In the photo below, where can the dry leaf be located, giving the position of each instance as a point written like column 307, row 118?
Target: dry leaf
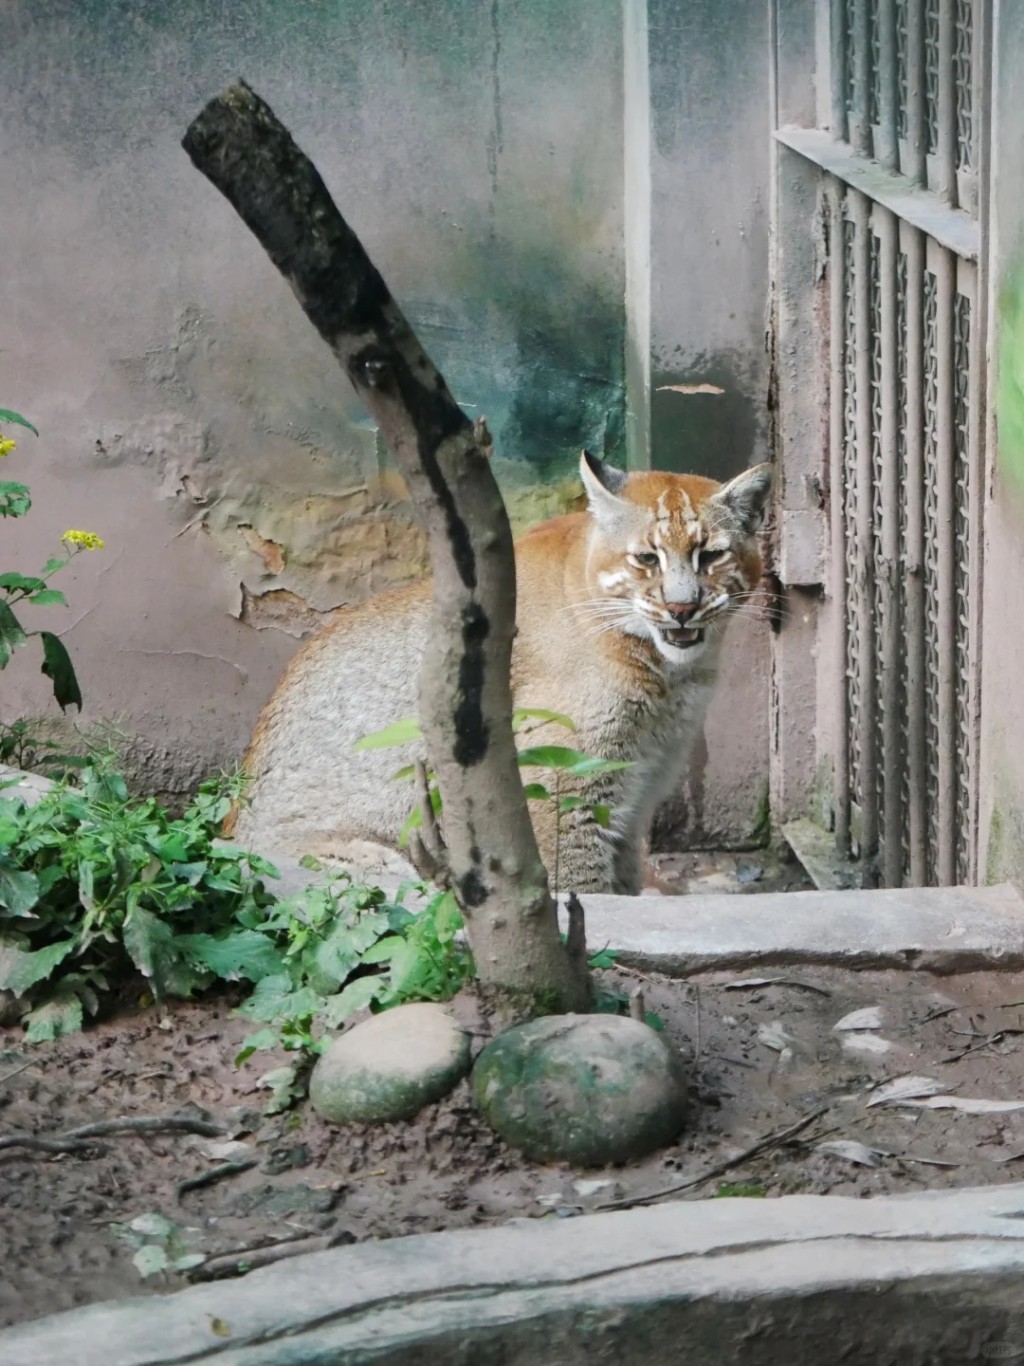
column 752, row 983
column 870, row 1017
column 852, row 1151
column 689, row 389
column 903, row 1088
column 968, row 1105
column 774, row 1036
column 858, row 1042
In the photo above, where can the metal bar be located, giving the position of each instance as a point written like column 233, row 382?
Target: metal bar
column 864, row 569
column 917, row 141
column 887, row 570
column 837, row 46
column 945, row 531
column 859, row 120
column 945, row 151
column 837, row 532
column 887, row 147
column 914, row 608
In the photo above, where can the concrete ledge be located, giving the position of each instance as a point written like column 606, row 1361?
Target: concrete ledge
column 947, row 929
column 804, row 1279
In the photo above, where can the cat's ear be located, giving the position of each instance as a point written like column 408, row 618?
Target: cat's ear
column 746, row 497
column 603, row 484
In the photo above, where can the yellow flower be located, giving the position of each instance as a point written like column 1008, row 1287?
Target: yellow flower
column 6, row 445
column 88, row 540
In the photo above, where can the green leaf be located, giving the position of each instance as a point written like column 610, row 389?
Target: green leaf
column 572, row 803
column 237, row 954
column 356, row 996
column 11, row 634
column 187, row 1260
column 15, row 499
column 150, row 1260
column 311, row 862
column 536, row 792
column 21, row 583
column 400, row 733
column 61, row 1014
column 19, row 890
column 276, row 999
column 383, row 951
column 523, row 714
column 21, row 968
column 603, row 958
column 48, row 597
column 602, row 814
column 7, row 415
column 569, row 760
column 654, row 1021
column 151, row 946
column 284, row 1087
column 447, row 916
column 254, row 1043
column 58, row 668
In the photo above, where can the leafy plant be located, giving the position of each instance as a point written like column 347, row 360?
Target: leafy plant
column 16, row 501
column 96, row 886
column 347, row 936
column 94, row 883
column 563, row 761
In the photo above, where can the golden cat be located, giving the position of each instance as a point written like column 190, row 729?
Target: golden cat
column 621, row 612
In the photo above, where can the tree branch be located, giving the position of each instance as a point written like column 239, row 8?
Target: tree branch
column 465, row 698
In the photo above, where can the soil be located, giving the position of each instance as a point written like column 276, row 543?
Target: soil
column 763, row 1055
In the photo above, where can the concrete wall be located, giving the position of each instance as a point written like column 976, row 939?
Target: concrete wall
column 191, row 416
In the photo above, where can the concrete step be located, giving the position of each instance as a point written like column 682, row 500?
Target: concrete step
column 940, row 929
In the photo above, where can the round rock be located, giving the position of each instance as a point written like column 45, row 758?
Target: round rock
column 388, row 1067
column 586, row 1089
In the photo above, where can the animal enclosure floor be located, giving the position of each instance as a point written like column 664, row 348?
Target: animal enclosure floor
column 763, row 1057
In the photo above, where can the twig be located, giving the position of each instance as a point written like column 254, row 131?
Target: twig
column 17, row 1071
column 74, row 1140
column 763, row 1145
column 217, row 1173
column 238, row 1264
column 427, row 848
column 637, row 1005
column 997, row 1037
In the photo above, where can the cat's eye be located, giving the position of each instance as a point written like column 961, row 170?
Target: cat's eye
column 707, row 558
column 648, row 559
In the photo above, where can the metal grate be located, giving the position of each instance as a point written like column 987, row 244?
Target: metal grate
column 904, row 74
column 962, row 542
column 852, row 547
column 963, row 82
column 933, row 737
column 906, row 464
column 902, row 68
column 931, row 75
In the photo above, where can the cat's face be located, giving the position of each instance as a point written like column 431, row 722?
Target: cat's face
column 671, row 554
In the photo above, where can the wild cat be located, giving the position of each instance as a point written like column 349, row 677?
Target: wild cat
column 621, row 614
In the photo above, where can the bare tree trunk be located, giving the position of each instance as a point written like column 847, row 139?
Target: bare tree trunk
column 465, row 698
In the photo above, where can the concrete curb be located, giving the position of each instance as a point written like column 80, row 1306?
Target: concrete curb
column 939, row 929
column 920, row 1278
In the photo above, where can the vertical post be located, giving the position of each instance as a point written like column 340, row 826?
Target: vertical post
column 838, row 68
column 945, row 152
column 637, row 231
column 864, row 569
column 945, row 530
column 917, row 758
column 837, row 533
column 887, row 148
column 917, row 137
column 888, row 570
column 860, row 130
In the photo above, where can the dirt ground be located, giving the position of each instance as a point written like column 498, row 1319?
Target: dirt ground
column 763, row 1058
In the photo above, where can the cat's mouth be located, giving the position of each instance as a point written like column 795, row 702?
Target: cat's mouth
column 682, row 637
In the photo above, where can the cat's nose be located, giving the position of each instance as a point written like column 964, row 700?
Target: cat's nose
column 681, row 610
